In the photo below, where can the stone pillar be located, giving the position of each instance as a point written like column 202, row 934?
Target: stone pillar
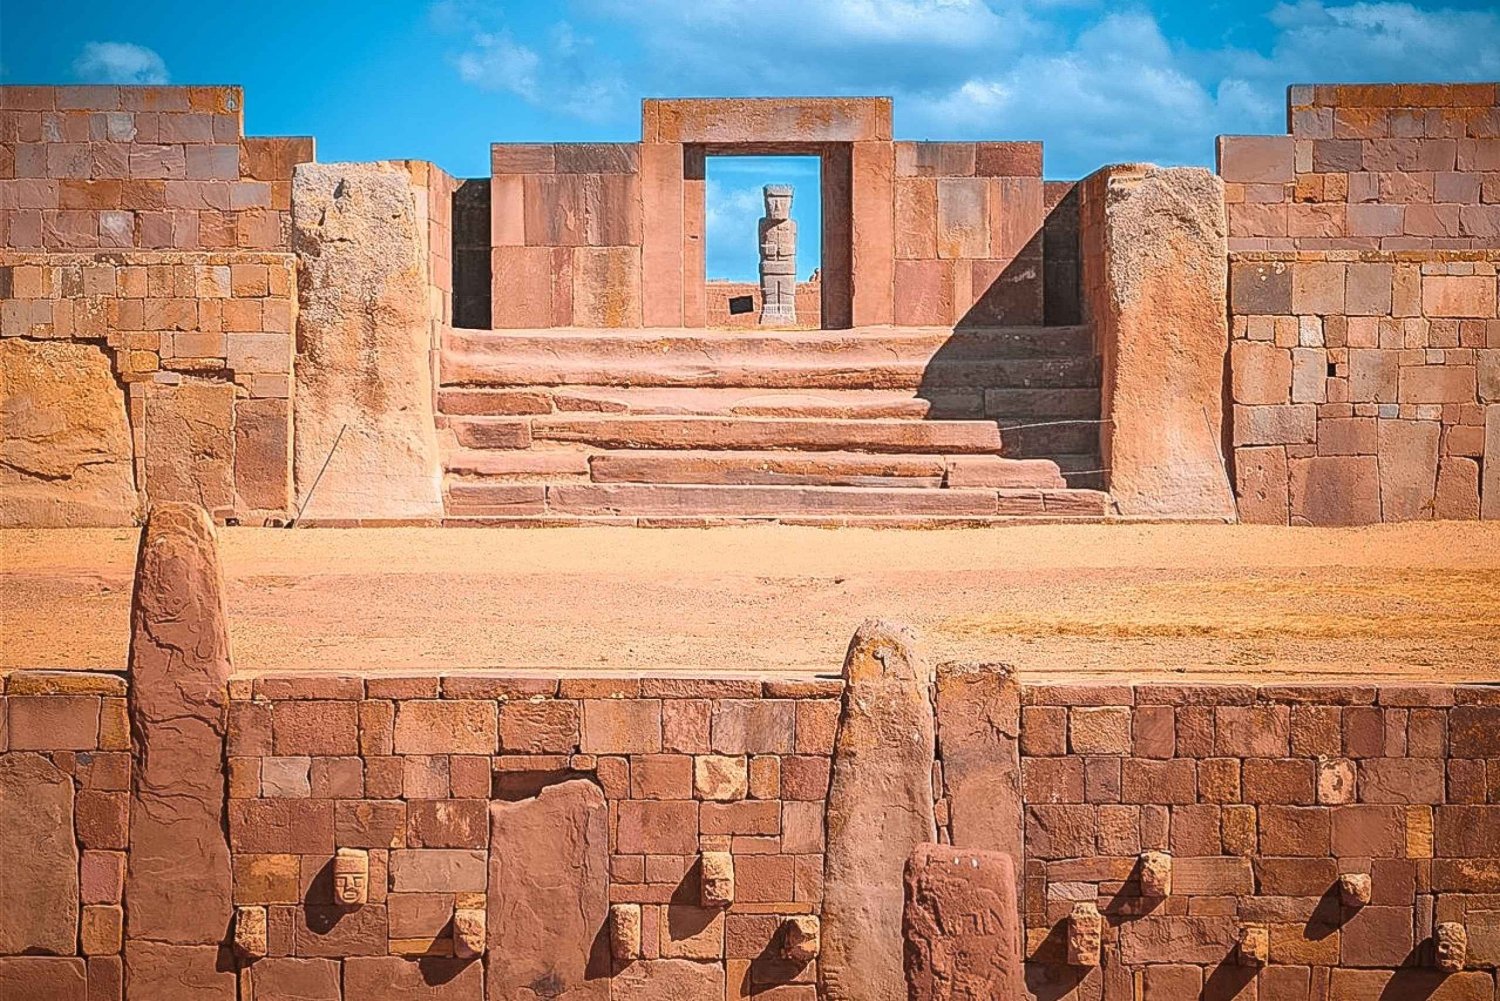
column 962, row 925
column 778, row 258
column 1156, row 262
column 978, row 735
column 880, row 807
column 177, row 880
column 364, row 345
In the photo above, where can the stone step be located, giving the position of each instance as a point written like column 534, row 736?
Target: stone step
column 836, row 403
column 823, row 469
column 1016, row 406
column 736, row 433
column 769, row 502
column 1050, row 436
column 1081, row 470
column 821, row 360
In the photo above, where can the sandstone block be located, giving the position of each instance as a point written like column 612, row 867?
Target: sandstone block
column 250, row 932
column 178, row 972
column 978, row 731
column 1354, row 889
column 668, row 980
column 1408, row 454
column 364, row 339
column 1335, row 490
column 302, row 979
column 190, row 458
column 961, row 925
column 716, row 879
column 1085, row 934
column 548, row 894
column 39, row 891
column 1254, row 945
column 801, row 938
column 625, row 932
column 1489, row 490
column 879, row 809
column 1256, row 159
column 428, row 979
column 1450, row 946
column 719, row 777
column 65, row 446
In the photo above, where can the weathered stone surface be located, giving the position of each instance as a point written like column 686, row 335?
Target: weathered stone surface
column 1085, row 934
column 250, row 932
column 1255, row 945
column 39, row 881
column 428, row 979
column 468, row 932
column 363, row 340
column 548, row 895
column 801, row 938
column 178, row 878
column 978, row 730
column 43, row 978
column 625, row 931
column 668, row 980
column 65, row 451
column 1354, row 889
column 716, row 879
column 961, row 924
column 292, row 980
column 1408, row 454
column 1450, row 943
column 190, row 444
column 1489, row 489
column 1156, row 874
column 1164, row 334
column 880, row 807
column 165, row 972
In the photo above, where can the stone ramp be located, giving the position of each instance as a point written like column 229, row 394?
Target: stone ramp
column 908, row 426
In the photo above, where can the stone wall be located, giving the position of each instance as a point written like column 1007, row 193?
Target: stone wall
column 1363, row 304
column 665, row 835
column 1366, row 386
column 1264, row 796
column 566, row 227
column 65, row 769
column 718, row 296
column 1370, row 167
column 968, row 233
column 86, row 168
column 194, row 349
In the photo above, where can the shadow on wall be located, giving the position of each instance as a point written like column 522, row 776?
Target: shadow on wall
column 1021, row 356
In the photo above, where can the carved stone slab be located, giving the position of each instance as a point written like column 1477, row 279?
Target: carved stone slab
column 39, row 877
column 880, row 807
column 961, row 925
column 549, row 896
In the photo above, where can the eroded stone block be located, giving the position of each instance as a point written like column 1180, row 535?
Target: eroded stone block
column 250, row 932
column 1156, row 874
column 1354, row 889
column 1450, row 946
column 39, row 873
column 1085, row 934
column 961, row 925
column 717, row 879
column 625, row 932
column 1254, row 946
column 801, row 938
column 468, row 932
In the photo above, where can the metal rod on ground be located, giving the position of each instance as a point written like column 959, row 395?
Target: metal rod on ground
column 317, row 479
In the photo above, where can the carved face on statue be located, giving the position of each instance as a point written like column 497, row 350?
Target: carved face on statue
column 778, row 201
column 1452, row 942
column 351, row 877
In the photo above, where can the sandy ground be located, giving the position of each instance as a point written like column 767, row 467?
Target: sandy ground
column 1419, row 601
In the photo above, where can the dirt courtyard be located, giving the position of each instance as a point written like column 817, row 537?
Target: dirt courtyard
column 1418, row 601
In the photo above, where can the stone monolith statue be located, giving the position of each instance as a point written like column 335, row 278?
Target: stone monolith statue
column 778, row 257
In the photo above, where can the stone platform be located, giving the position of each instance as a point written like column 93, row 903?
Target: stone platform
column 907, row 425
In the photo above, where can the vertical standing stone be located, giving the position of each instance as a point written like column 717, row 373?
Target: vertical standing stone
column 38, row 857
column 978, row 735
column 778, row 258
column 1158, row 263
column 549, row 895
column 962, row 925
column 880, row 807
column 177, row 882
column 364, row 345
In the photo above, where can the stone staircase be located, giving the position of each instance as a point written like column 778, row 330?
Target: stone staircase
column 873, row 426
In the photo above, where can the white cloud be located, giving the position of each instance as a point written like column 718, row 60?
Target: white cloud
column 119, row 62
column 561, row 72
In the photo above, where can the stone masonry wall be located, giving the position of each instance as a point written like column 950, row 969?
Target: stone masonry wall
column 199, row 348
column 969, row 222
column 718, row 294
column 1366, row 386
column 85, row 168
column 566, row 235
column 407, row 768
column 65, row 770
column 1263, row 796
column 1370, row 167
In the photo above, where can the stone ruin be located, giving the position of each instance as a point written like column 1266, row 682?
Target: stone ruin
column 896, row 830
column 200, row 327
column 1310, row 336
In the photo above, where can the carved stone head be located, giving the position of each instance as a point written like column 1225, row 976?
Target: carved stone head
column 1451, row 946
column 717, row 873
column 1156, row 874
column 1355, row 889
column 778, row 201
column 1255, row 945
column 801, row 938
column 351, row 877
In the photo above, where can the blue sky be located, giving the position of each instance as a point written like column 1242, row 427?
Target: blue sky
column 1097, row 80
